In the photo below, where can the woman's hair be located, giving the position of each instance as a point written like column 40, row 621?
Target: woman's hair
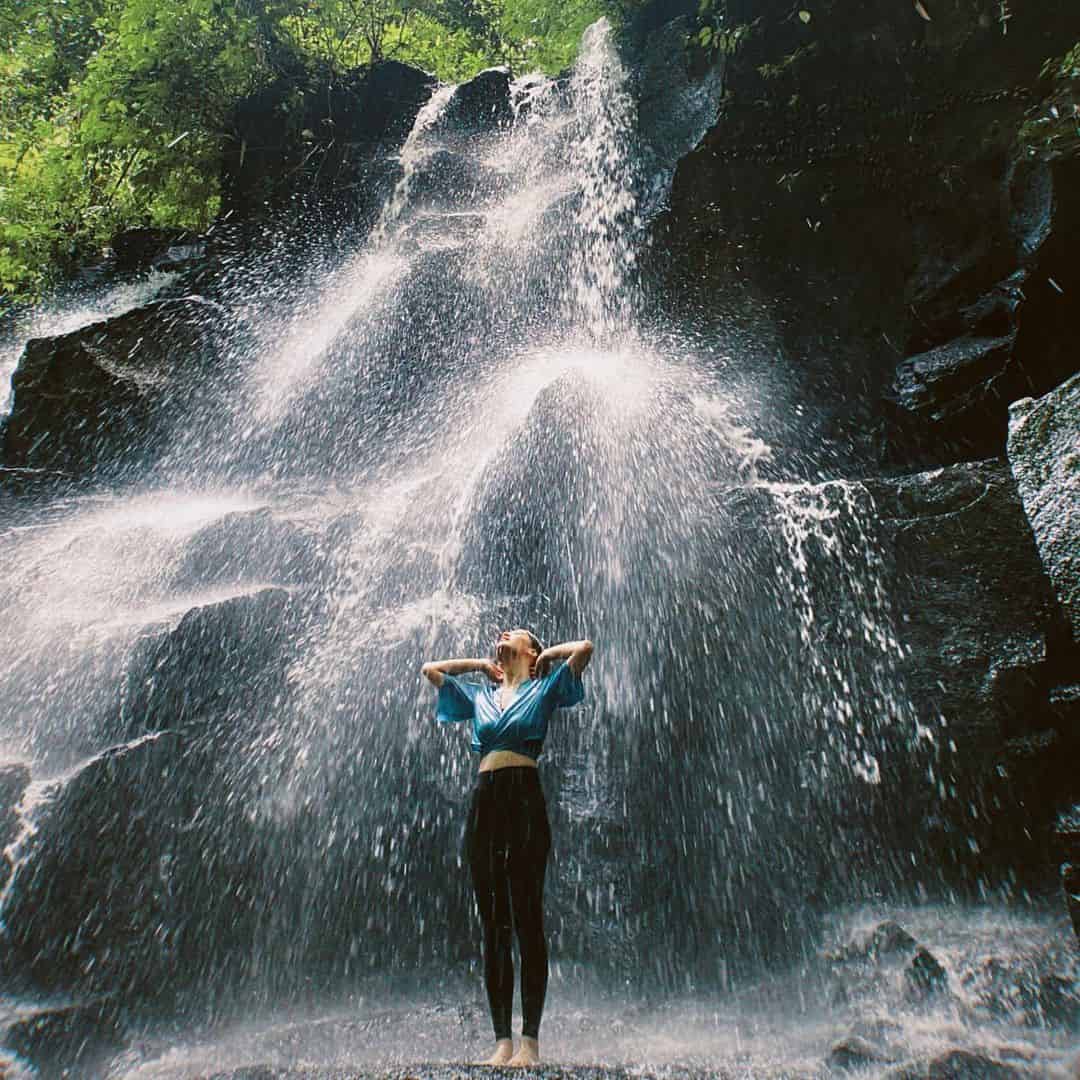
column 534, row 641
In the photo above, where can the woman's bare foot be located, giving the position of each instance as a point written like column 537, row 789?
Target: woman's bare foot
column 504, row 1052
column 528, row 1052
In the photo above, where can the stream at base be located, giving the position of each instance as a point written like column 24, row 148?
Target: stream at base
column 1002, row 1005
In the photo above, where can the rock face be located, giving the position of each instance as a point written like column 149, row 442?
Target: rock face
column 879, row 202
column 986, row 642
column 1044, row 453
column 880, row 222
column 338, row 141
column 101, row 400
column 134, row 873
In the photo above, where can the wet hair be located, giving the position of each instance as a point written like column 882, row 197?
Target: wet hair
column 534, row 641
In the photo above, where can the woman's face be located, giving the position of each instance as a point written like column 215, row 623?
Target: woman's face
column 513, row 643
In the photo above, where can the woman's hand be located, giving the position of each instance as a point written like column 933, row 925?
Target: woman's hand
column 542, row 664
column 491, row 670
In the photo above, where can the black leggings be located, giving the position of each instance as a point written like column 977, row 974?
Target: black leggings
column 507, row 840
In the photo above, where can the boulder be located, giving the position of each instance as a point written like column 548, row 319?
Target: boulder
column 99, row 401
column 88, row 897
column 982, row 631
column 480, row 106
column 447, row 178
column 74, row 1040
column 970, row 1065
column 250, row 547
column 308, row 138
column 145, row 873
column 961, row 388
column 1044, row 455
column 677, row 98
column 220, row 669
column 180, row 257
column 853, row 1053
column 887, row 939
column 136, row 249
column 924, row 977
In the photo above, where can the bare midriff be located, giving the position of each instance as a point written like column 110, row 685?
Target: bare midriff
column 500, row 759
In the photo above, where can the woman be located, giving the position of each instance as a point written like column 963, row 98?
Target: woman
column 507, row 838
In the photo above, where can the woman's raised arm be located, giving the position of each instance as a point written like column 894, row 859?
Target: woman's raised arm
column 434, row 670
column 577, row 654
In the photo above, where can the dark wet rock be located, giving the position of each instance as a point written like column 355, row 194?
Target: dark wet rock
column 131, row 887
column 982, row 630
column 250, row 546
column 135, row 249
column 960, row 1065
column 960, row 387
column 1067, row 837
column 887, row 939
column 435, row 231
column 925, row 977
column 1065, row 703
column 1067, row 834
column 180, row 257
column 99, row 400
column 90, row 892
column 854, row 1052
column 1058, row 1000
column 306, row 137
column 1070, row 884
column 847, row 219
column 14, row 780
column 1032, row 205
column 1022, row 988
column 981, row 644
column 446, row 177
column 1044, row 454
column 77, row 1040
column 677, row 98
column 479, row 106
column 219, row 668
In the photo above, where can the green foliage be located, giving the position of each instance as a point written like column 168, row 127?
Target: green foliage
column 1063, row 67
column 1052, row 131
column 115, row 113
column 715, row 34
column 786, row 65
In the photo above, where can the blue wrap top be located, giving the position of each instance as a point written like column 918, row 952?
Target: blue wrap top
column 522, row 725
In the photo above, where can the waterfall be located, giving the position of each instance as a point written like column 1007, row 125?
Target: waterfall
column 465, row 421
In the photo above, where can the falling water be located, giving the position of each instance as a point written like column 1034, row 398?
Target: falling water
column 466, row 421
